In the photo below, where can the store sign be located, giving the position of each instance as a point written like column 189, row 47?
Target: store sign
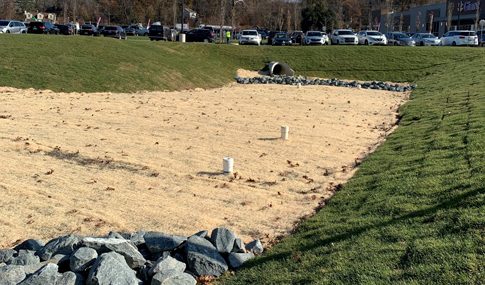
column 466, row 7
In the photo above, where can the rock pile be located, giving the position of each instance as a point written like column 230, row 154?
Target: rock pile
column 142, row 258
column 294, row 80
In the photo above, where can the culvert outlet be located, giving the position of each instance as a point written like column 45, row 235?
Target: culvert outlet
column 278, row 68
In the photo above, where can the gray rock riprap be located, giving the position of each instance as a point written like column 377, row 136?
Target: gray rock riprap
column 61, row 245
column 223, row 239
column 295, row 80
column 11, row 274
column 173, row 278
column 159, row 242
column 101, row 245
column 203, row 258
column 111, row 268
column 115, row 259
column 82, row 258
column 237, row 259
column 46, row 275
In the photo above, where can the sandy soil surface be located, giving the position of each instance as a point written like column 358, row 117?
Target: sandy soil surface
column 93, row 163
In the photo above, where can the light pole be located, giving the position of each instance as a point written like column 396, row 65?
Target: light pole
column 233, row 13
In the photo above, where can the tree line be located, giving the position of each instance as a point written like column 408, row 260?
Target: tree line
column 278, row 15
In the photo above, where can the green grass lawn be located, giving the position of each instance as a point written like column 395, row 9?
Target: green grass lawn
column 414, row 212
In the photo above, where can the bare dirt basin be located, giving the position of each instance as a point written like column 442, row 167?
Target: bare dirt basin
column 93, row 163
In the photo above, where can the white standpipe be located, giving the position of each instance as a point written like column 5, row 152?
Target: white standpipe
column 227, row 165
column 284, row 132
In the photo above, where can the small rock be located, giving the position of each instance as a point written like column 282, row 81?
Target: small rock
column 6, row 254
column 46, row 275
column 138, row 238
column 24, row 257
column 11, row 274
column 111, row 268
column 159, row 242
column 173, row 278
column 101, row 245
column 255, row 247
column 238, row 246
column 61, row 245
column 166, row 264
column 203, row 258
column 30, row 244
column 223, row 239
column 71, row 278
column 82, row 258
column 237, row 259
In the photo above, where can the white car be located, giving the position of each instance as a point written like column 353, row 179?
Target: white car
column 12, row 27
column 250, row 37
column 325, row 38
column 424, row 39
column 460, row 38
column 344, row 37
column 314, row 38
column 371, row 38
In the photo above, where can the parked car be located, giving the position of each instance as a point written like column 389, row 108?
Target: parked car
column 130, row 31
column 12, row 27
column 399, row 39
column 344, row 37
column 281, row 39
column 425, row 39
column 200, row 35
column 42, row 28
column 264, row 35
column 371, row 38
column 325, row 38
column 139, row 30
column 100, row 28
column 159, row 32
column 250, row 37
column 63, row 29
column 460, row 38
column 313, row 38
column 271, row 35
column 114, row 32
column 88, row 30
column 296, row 37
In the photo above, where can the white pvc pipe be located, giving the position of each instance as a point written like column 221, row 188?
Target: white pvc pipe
column 227, row 165
column 284, row 132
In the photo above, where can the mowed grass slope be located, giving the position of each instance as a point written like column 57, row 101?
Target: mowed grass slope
column 92, row 64
column 414, row 213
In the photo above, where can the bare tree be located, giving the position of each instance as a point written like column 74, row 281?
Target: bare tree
column 401, row 18
column 418, row 22
column 431, row 18
column 288, row 21
column 477, row 15
column 223, row 14
column 450, row 12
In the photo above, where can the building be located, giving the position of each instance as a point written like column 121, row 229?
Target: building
column 432, row 18
column 39, row 16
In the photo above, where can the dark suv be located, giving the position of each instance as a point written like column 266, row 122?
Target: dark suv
column 42, row 28
column 200, row 35
column 88, row 30
column 159, row 32
column 114, row 32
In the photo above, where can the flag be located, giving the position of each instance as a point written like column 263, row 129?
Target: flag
column 148, row 25
column 99, row 20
